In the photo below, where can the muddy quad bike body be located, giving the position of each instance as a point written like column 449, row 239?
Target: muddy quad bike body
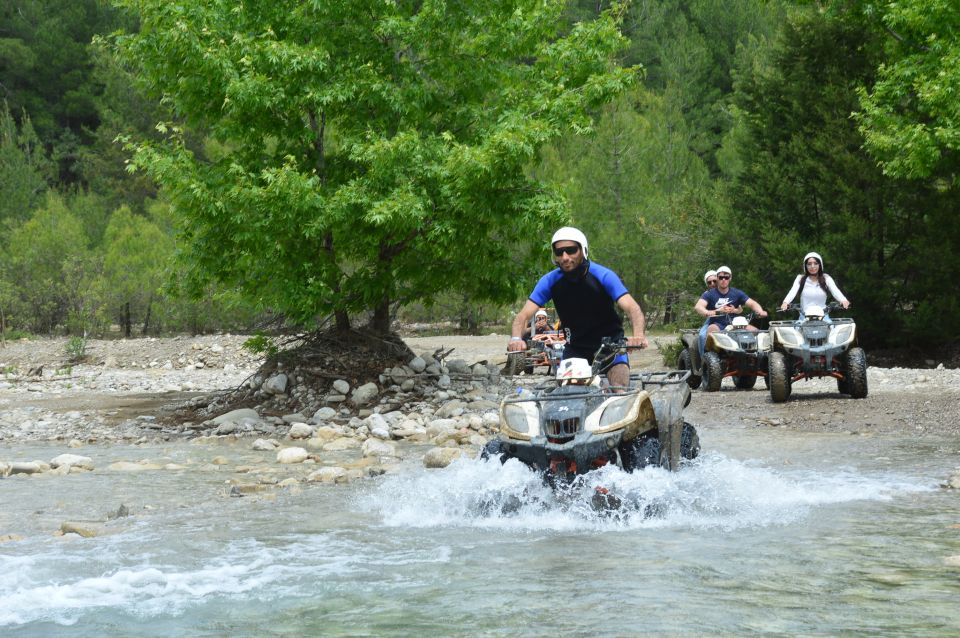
column 568, row 430
column 812, row 348
column 736, row 352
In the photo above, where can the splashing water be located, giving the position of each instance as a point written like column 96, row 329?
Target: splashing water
column 712, row 491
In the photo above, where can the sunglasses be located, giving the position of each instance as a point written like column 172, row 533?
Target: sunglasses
column 712, row 282
column 723, row 276
column 570, row 250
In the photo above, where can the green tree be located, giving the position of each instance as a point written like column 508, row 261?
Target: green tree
column 639, row 192
column 48, row 264
column 136, row 260
column 910, row 114
column 372, row 152
column 807, row 183
column 24, row 169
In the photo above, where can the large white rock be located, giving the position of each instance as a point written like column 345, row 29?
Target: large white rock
column 72, row 460
column 365, row 394
column 277, row 384
column 265, row 445
column 332, row 474
column 376, row 447
column 417, row 364
column 236, row 416
column 290, row 455
column 341, row 386
column 300, row 431
column 441, row 456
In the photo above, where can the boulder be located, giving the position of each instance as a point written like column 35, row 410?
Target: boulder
column 377, row 447
column 237, row 416
column 365, row 394
column 291, row 455
column 441, row 457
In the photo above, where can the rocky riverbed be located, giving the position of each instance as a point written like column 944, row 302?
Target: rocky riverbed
column 307, row 428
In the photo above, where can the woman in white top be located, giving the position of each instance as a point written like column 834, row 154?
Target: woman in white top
column 813, row 285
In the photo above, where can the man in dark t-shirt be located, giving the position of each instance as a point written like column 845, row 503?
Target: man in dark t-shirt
column 720, row 304
column 584, row 294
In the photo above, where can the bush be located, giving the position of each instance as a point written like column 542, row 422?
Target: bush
column 670, row 348
column 76, row 348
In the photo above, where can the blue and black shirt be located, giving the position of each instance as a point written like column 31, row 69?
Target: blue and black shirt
column 585, row 303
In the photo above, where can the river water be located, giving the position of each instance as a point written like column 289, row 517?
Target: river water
column 769, row 533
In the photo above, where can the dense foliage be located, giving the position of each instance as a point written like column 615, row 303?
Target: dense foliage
column 373, row 160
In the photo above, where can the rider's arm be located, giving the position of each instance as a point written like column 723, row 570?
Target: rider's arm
column 756, row 307
column 632, row 309
column 521, row 321
column 835, row 291
column 701, row 309
column 792, row 294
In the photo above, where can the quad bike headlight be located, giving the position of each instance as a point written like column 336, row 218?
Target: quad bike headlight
column 790, row 337
column 763, row 341
column 841, row 335
column 613, row 412
column 521, row 419
column 724, row 341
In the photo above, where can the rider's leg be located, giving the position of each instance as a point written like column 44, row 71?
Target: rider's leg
column 619, row 374
column 702, row 338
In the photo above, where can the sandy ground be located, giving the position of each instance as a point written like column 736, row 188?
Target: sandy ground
column 125, row 378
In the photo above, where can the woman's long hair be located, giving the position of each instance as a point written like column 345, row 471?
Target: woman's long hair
column 821, row 278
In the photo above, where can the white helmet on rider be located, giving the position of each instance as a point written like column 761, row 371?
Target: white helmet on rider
column 569, row 233
column 577, row 371
column 815, row 256
column 541, row 313
column 707, row 275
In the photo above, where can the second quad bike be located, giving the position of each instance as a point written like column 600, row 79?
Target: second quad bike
column 812, row 347
column 736, row 352
column 580, row 423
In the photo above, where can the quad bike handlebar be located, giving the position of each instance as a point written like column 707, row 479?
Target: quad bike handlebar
column 830, row 307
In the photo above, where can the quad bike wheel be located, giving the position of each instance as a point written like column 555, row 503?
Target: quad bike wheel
column 745, row 382
column 684, row 363
column 514, row 363
column 645, row 449
column 712, row 371
column 779, row 375
column 856, row 372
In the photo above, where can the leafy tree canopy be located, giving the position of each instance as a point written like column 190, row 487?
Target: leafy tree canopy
column 368, row 152
column 911, row 115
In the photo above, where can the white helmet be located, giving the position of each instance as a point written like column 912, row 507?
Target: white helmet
column 569, row 233
column 540, row 313
column 815, row 256
column 708, row 275
column 574, row 371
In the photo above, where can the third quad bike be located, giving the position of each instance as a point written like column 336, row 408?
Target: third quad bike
column 580, row 423
column 544, row 350
column 734, row 352
column 813, row 347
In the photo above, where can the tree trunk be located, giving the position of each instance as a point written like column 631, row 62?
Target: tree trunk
column 126, row 320
column 380, row 321
column 146, row 319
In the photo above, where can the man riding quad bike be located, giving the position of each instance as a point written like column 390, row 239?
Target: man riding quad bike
column 816, row 346
column 544, row 348
column 581, row 423
column 736, row 351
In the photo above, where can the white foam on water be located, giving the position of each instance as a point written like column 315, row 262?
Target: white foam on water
column 712, row 491
column 62, row 584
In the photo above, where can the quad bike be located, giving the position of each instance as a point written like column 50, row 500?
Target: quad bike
column 579, row 423
column 734, row 352
column 544, row 350
column 806, row 349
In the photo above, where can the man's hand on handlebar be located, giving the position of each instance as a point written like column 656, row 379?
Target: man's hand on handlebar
column 516, row 345
column 637, row 342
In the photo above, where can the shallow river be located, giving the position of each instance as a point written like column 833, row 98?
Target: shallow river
column 768, row 533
